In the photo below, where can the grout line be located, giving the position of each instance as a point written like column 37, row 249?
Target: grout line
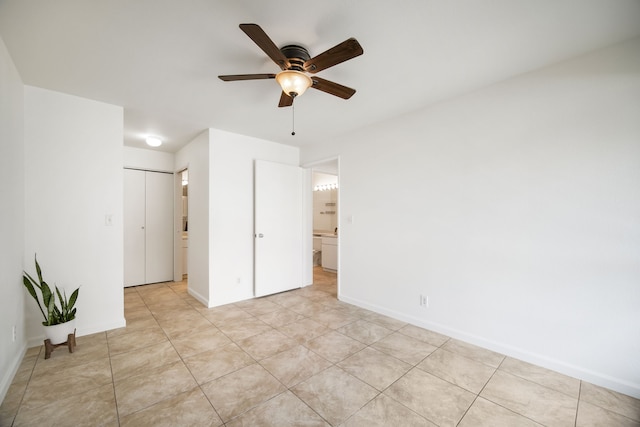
column 578, row 405
column 113, row 380
column 480, row 392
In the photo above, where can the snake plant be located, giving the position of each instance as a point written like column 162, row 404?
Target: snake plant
column 53, row 315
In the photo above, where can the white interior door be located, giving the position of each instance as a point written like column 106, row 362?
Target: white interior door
column 278, row 227
column 133, row 224
column 159, row 227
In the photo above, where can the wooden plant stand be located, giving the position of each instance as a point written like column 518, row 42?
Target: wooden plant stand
column 70, row 343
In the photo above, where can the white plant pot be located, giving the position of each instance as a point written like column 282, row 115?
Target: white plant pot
column 58, row 334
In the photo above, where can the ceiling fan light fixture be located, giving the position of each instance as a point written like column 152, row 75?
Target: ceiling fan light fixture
column 293, row 82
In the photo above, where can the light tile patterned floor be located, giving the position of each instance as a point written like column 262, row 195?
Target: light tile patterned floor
column 300, row 358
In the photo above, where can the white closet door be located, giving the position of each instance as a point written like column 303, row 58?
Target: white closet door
column 134, row 224
column 278, row 228
column 159, row 227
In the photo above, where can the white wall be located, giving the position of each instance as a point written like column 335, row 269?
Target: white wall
column 515, row 209
column 11, row 219
column 325, row 211
column 148, row 159
column 232, row 164
column 195, row 157
column 74, row 178
column 220, row 252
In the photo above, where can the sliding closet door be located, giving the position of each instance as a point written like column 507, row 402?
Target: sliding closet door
column 159, row 227
column 134, row 223
column 148, row 227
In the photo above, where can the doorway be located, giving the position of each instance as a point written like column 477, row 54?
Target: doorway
column 325, row 223
column 181, row 225
column 184, row 226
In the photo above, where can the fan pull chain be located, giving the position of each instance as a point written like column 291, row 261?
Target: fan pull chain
column 293, row 119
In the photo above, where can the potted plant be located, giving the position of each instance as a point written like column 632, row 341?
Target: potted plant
column 59, row 321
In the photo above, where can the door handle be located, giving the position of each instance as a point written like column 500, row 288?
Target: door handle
column 260, row 236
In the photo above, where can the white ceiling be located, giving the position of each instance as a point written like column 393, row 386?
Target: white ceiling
column 160, row 59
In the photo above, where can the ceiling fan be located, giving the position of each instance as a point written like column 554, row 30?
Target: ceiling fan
column 295, row 62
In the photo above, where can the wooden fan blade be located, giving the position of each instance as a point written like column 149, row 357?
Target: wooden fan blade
column 234, row 77
column 344, row 51
column 263, row 41
column 285, row 100
column 332, row 88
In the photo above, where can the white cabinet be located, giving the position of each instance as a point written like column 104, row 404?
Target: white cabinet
column 148, row 227
column 185, row 252
column 330, row 253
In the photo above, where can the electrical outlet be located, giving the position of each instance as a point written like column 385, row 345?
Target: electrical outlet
column 13, row 333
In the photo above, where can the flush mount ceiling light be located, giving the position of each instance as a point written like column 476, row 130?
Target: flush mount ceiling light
column 293, row 82
column 154, row 141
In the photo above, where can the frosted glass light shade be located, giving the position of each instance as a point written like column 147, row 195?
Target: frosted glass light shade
column 154, row 141
column 293, row 82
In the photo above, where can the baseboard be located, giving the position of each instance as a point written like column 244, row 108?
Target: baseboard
column 94, row 329
column 233, row 299
column 82, row 331
column 581, row 373
column 7, row 377
column 199, row 297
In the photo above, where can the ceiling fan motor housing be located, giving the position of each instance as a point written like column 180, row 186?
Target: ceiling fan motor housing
column 297, row 56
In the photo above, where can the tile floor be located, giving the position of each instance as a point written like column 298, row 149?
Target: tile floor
column 300, row 358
